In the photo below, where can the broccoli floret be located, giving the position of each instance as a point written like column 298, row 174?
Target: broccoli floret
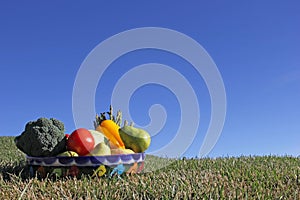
column 43, row 137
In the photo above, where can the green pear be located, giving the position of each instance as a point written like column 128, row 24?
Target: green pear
column 100, row 149
column 135, row 138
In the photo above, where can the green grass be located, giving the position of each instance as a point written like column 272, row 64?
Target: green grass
column 267, row 177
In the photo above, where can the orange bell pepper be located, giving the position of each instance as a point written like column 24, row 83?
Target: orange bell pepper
column 111, row 131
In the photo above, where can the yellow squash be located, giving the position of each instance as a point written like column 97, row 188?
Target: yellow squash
column 111, row 131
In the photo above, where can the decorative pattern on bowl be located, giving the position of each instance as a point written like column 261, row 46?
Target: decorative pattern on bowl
column 61, row 166
column 86, row 161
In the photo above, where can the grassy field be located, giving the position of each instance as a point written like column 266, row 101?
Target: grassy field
column 267, row 177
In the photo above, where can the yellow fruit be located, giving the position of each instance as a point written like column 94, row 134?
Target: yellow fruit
column 68, row 154
column 100, row 149
column 121, row 151
column 135, row 138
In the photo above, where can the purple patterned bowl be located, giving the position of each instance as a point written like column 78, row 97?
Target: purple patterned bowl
column 74, row 166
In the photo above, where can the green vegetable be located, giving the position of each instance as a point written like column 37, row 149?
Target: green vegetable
column 135, row 138
column 44, row 137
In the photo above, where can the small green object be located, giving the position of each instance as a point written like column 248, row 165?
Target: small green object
column 57, row 172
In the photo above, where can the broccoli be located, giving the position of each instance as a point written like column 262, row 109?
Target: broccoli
column 44, row 137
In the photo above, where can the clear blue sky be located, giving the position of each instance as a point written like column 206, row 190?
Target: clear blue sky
column 256, row 46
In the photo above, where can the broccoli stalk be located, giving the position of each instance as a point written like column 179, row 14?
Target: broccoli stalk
column 44, row 137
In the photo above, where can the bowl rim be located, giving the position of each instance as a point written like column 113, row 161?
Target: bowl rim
column 86, row 161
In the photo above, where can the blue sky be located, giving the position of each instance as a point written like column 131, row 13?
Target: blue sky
column 254, row 45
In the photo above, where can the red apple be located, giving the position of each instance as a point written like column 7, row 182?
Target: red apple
column 81, row 141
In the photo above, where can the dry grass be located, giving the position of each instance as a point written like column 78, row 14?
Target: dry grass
column 267, row 177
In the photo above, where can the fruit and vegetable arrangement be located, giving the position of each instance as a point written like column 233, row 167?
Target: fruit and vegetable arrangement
column 109, row 149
